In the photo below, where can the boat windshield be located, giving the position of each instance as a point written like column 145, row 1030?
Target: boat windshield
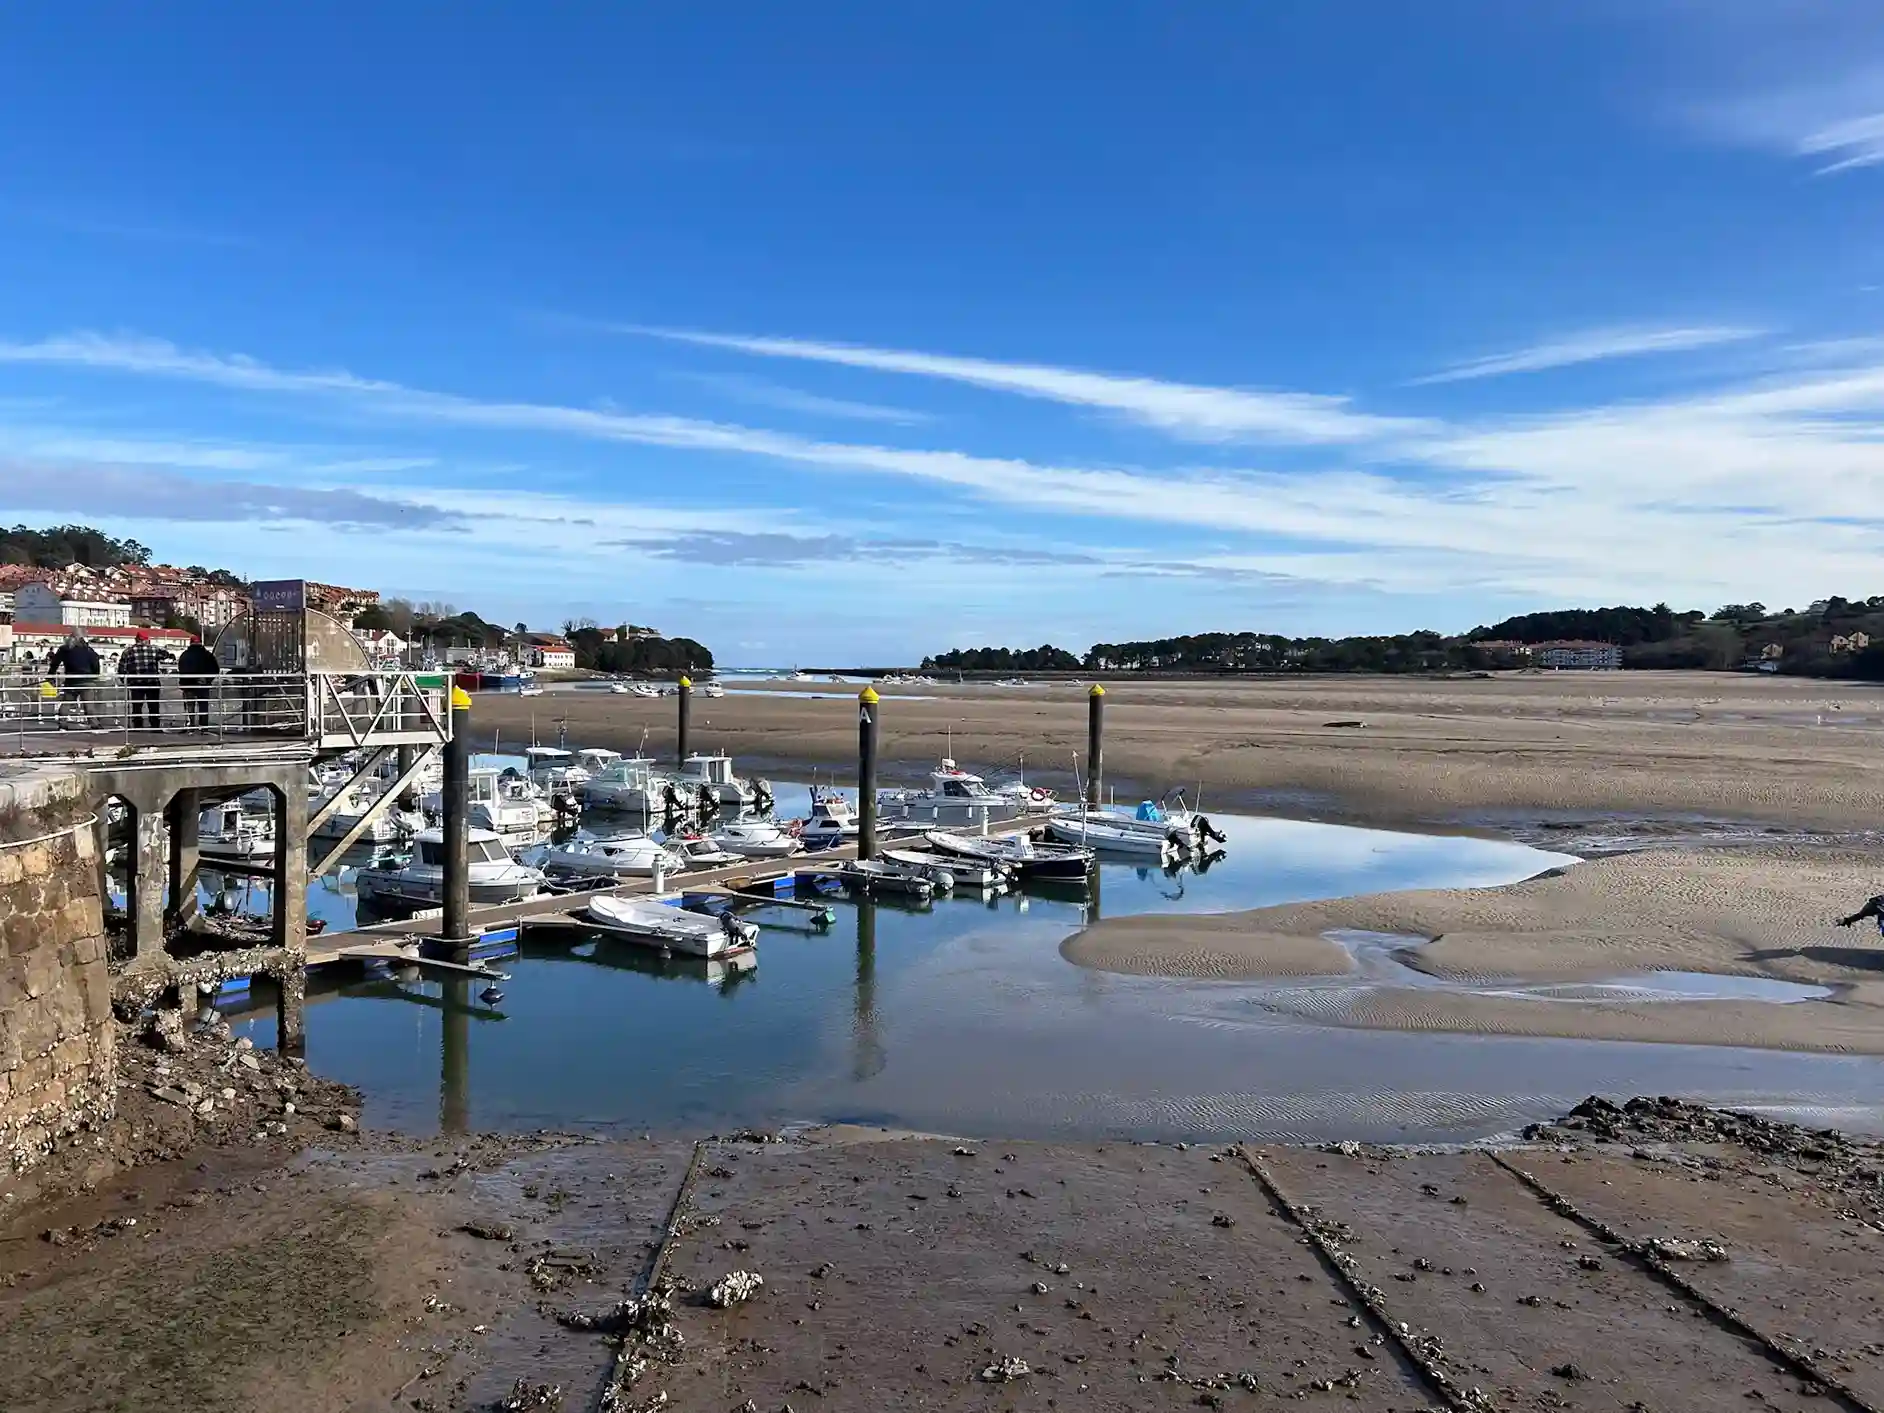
column 486, row 851
column 431, row 854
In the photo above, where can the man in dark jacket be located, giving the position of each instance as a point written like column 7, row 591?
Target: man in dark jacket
column 196, row 672
column 76, row 664
column 138, row 667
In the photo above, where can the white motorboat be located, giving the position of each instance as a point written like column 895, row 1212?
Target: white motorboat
column 495, row 877
column 1179, row 825
column 755, row 839
column 712, row 689
column 503, row 802
column 227, row 831
column 593, row 760
column 954, row 796
column 832, row 821
column 699, row 851
column 1019, row 852
column 554, row 770
column 620, row 689
column 962, row 872
column 878, row 876
column 630, row 785
column 392, row 824
column 631, row 854
column 714, row 775
column 1089, row 829
column 662, row 925
column 530, row 689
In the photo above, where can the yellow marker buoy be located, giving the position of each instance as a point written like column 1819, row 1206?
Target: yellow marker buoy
column 460, row 699
column 1097, row 691
column 687, row 682
column 868, row 696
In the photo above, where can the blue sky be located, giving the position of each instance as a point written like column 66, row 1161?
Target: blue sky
column 850, row 332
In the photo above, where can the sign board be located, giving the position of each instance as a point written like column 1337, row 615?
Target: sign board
column 280, row 596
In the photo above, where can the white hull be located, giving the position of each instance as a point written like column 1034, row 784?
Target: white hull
column 760, row 849
column 616, row 861
column 624, row 799
column 659, row 925
column 426, row 888
column 1110, row 838
column 966, row 873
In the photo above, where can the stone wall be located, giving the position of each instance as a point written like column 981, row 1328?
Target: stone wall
column 57, row 1039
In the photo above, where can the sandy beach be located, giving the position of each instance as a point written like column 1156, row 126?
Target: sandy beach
column 1739, row 815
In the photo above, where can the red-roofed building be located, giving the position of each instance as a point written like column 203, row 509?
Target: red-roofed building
column 36, row 641
column 552, row 653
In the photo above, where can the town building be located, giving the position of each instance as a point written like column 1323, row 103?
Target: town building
column 41, row 601
column 36, row 642
column 552, row 653
column 386, row 646
column 1577, row 654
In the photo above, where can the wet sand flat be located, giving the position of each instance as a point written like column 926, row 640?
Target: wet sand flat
column 1788, row 752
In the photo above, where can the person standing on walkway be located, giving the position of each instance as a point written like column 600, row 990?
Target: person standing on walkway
column 76, row 665
column 138, row 667
column 196, row 673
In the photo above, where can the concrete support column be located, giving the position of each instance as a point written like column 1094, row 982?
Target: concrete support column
column 291, row 1008
column 867, row 727
column 406, row 756
column 147, row 873
column 685, row 698
column 288, row 922
column 1095, row 745
column 185, row 814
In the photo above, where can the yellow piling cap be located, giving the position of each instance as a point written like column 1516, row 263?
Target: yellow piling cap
column 48, row 691
column 460, row 699
column 687, row 682
column 868, row 696
column 1097, row 691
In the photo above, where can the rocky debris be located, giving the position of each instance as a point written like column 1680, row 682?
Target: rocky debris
column 488, row 1231
column 556, row 1267
column 526, row 1396
column 1005, row 1371
column 1837, row 1163
column 734, row 1288
column 1571, row 1372
column 1678, row 1249
column 344, row 1123
column 964, row 1152
column 752, row 1135
column 1223, row 1219
column 822, row 1269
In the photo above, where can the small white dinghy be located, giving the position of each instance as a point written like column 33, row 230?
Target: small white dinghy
column 1089, row 830
column 962, row 872
column 876, row 876
column 659, row 925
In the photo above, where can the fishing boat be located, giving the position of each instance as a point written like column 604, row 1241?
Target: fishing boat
column 555, row 770
column 710, row 774
column 620, row 689
column 877, row 876
column 631, row 785
column 642, row 689
column 508, row 805
column 961, row 872
column 712, row 689
column 227, row 831
column 832, row 821
column 495, row 877
column 662, row 925
column 1176, row 823
column 596, row 759
column 755, row 839
column 1028, row 859
column 954, row 796
column 630, row 854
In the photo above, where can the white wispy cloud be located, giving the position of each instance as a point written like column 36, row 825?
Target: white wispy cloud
column 760, row 393
column 1769, row 488
column 1200, row 413
column 1590, row 346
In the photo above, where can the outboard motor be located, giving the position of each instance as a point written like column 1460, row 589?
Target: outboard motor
column 709, row 802
column 1207, row 831
column 762, row 795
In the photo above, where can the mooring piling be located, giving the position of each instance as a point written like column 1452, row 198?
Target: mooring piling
column 867, row 704
column 685, row 696
column 454, row 923
column 1095, row 744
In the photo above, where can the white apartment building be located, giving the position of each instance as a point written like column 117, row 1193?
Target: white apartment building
column 40, row 603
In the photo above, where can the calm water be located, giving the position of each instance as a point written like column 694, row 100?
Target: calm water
column 964, row 1018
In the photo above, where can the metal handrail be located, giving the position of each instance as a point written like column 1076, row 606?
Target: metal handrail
column 38, row 715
